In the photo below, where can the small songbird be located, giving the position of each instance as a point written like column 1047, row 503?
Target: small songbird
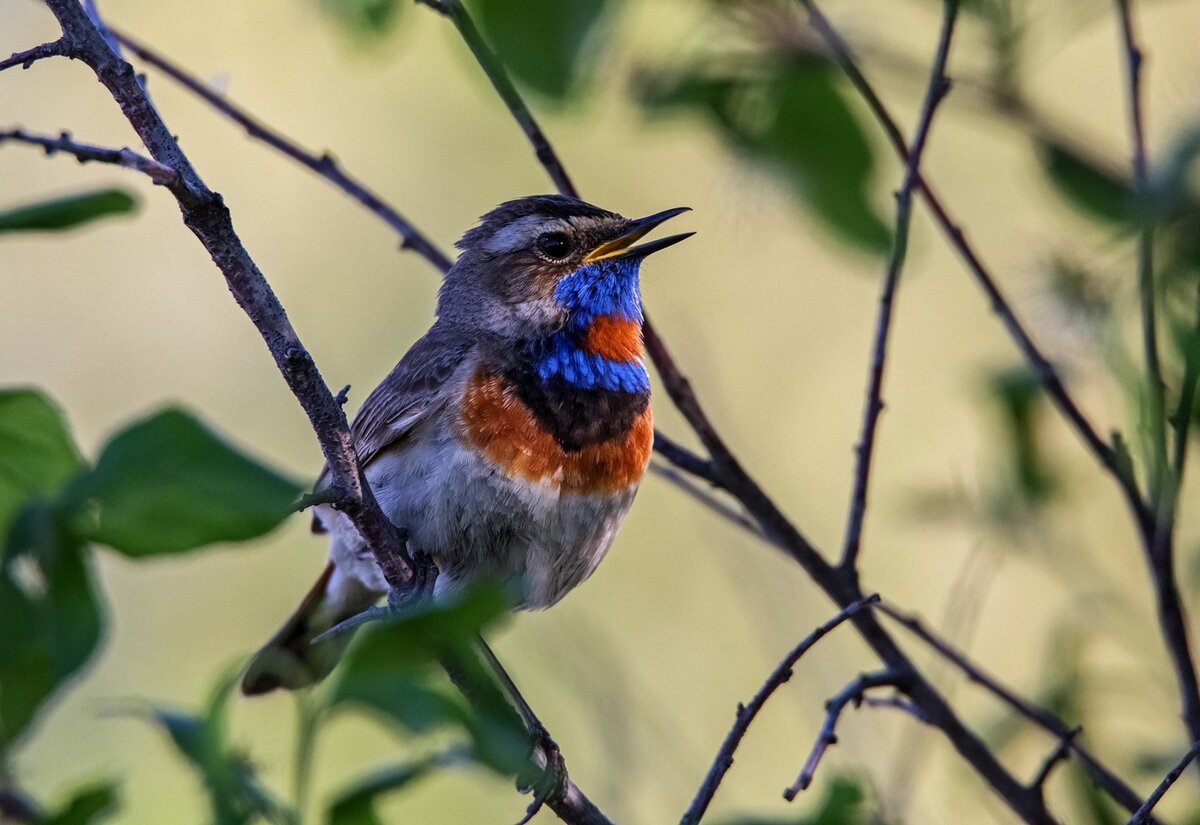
column 510, row 440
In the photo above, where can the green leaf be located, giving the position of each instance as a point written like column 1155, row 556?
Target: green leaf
column 842, row 804
column 356, row 805
column 1097, row 192
column 234, row 791
column 364, row 17
column 37, row 454
column 391, row 669
column 50, row 615
column 542, row 42
column 1018, row 393
column 168, row 484
column 90, row 804
column 66, row 213
column 792, row 119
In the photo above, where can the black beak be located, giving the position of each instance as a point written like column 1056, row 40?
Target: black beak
column 622, row 247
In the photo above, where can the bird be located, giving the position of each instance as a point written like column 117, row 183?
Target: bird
column 511, row 439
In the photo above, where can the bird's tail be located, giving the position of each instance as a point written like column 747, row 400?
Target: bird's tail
column 290, row 660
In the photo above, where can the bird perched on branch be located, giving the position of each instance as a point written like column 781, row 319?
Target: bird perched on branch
column 511, row 439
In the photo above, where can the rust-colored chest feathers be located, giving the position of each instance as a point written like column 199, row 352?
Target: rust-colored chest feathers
column 573, row 412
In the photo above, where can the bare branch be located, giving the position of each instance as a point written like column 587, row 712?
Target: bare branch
column 323, row 164
column 1142, row 814
column 494, row 69
column 160, row 173
column 1046, row 373
column 939, row 85
column 1113, row 785
column 25, row 59
column 1061, row 752
column 748, row 712
column 852, row 693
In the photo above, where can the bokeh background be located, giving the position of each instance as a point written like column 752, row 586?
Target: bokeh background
column 638, row 672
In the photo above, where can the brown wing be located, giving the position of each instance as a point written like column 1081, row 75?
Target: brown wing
column 416, row 387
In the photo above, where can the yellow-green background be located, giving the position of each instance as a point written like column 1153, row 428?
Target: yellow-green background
column 638, row 672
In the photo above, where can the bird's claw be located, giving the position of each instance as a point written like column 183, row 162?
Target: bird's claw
column 549, row 782
column 425, row 574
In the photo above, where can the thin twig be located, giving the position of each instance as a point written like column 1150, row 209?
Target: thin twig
column 496, row 73
column 939, row 85
column 1045, row 372
column 25, row 59
column 707, row 498
column 852, row 693
column 1061, row 752
column 160, row 173
column 1162, row 486
column 1142, row 814
column 323, row 164
column 746, row 713
column 1113, row 785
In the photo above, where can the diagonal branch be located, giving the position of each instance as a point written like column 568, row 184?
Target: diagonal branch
column 748, row 712
column 851, row 694
column 1046, row 374
column 939, row 85
column 1142, row 814
column 1061, row 752
column 1112, row 784
column 160, row 173
column 323, row 164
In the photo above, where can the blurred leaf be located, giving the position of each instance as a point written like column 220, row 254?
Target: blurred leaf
column 392, row 669
column 1018, row 394
column 542, row 42
column 1098, row 193
column 36, row 451
column 234, row 791
column 68, row 212
column 90, row 804
column 356, row 805
column 168, row 484
column 364, row 17
column 791, row 117
column 50, row 615
column 842, row 804
column 1095, row 805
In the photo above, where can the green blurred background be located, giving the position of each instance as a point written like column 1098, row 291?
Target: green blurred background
column 637, row 673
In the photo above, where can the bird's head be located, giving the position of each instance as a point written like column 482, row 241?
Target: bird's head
column 533, row 263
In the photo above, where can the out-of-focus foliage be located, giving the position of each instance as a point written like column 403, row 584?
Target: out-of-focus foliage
column 844, row 803
column 89, row 804
column 168, row 484
column 67, row 212
column 235, row 795
column 544, row 44
column 371, row 18
column 355, row 805
column 789, row 114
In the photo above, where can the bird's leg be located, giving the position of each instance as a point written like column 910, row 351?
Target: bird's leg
column 553, row 780
column 420, row 587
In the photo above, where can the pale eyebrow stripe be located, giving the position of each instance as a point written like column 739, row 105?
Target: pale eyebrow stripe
column 521, row 232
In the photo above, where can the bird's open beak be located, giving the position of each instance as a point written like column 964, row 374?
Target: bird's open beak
column 623, row 247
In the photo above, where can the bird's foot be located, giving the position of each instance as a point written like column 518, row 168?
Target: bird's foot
column 419, row 588
column 549, row 780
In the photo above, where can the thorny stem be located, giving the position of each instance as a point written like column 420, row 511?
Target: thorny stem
column 1142, row 814
column 747, row 713
column 161, row 174
column 939, row 85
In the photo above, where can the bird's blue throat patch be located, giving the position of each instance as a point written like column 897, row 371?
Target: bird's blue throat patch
column 604, row 289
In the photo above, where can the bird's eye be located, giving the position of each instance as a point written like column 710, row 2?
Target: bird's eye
column 554, row 245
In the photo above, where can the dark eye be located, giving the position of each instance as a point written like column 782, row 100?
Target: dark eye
column 554, row 245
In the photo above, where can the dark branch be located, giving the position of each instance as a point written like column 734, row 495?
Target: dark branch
column 494, row 69
column 16, row 807
column 1113, row 785
column 1142, row 814
column 938, row 86
column 852, row 693
column 1061, row 752
column 25, row 59
column 1046, row 374
column 323, row 164
column 161, row 174
column 747, row 713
